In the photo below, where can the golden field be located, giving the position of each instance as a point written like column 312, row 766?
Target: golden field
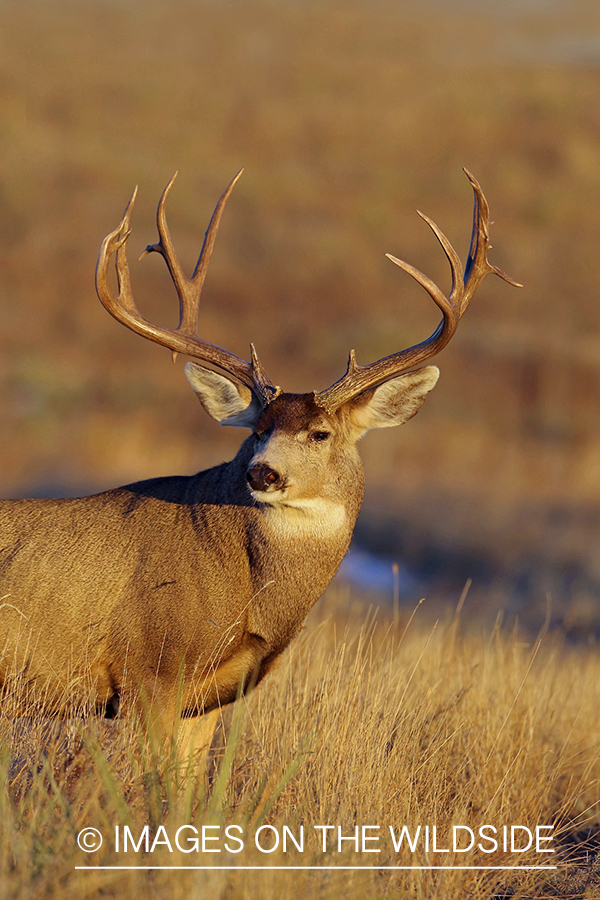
column 362, row 723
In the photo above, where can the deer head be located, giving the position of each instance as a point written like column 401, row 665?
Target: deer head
column 379, row 395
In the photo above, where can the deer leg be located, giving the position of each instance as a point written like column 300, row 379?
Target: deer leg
column 196, row 735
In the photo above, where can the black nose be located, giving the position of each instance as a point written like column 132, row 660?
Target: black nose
column 263, row 478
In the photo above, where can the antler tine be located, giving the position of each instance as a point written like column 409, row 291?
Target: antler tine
column 184, row 338
column 123, row 280
column 477, row 262
column 116, row 242
column 167, row 251
column 211, row 233
column 188, row 289
column 464, row 284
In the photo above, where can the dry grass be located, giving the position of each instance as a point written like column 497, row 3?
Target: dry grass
column 363, row 723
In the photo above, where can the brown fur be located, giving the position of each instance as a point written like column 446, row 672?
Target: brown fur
column 179, row 590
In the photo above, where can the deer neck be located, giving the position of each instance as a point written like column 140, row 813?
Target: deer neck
column 295, row 550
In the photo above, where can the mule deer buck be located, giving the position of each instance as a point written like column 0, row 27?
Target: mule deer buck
column 180, row 592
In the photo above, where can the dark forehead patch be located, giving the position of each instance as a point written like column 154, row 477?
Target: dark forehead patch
column 292, row 412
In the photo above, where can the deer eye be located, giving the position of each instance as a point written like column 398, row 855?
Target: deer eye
column 318, row 437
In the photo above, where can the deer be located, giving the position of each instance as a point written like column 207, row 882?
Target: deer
column 175, row 595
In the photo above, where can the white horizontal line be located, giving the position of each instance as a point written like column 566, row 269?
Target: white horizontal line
column 308, row 868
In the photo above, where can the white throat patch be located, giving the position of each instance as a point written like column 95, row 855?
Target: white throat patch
column 314, row 515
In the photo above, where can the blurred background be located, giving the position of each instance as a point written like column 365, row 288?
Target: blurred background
column 347, row 116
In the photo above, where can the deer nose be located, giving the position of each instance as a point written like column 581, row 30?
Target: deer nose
column 263, row 478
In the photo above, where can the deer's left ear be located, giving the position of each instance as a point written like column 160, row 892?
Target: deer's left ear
column 395, row 401
column 225, row 400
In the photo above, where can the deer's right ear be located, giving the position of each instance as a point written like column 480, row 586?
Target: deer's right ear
column 225, row 400
column 395, row 401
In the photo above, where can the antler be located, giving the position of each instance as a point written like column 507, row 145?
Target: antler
column 464, row 284
column 184, row 338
